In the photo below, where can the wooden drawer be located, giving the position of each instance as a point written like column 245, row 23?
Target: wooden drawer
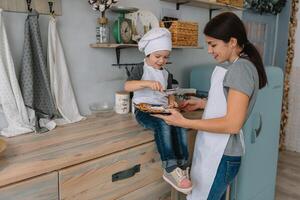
column 93, row 179
column 159, row 190
column 44, row 187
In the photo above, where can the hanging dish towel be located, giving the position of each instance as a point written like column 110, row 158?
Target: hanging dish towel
column 11, row 99
column 61, row 87
column 34, row 78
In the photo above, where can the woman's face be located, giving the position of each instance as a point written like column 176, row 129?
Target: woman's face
column 220, row 50
column 158, row 59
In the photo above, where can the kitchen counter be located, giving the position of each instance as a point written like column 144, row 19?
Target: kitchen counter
column 52, row 154
column 31, row 155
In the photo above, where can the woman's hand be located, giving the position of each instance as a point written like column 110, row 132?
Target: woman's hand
column 175, row 119
column 173, row 104
column 192, row 104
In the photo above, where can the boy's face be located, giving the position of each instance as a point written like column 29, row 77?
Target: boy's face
column 158, row 59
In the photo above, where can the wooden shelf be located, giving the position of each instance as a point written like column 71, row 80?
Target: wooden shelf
column 121, row 46
column 110, row 45
column 204, row 4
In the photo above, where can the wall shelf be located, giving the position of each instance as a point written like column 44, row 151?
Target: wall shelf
column 212, row 6
column 122, row 46
column 118, row 48
column 203, row 4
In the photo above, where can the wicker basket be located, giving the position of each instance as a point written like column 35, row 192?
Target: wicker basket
column 183, row 33
column 237, row 3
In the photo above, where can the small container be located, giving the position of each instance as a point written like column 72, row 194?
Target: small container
column 102, row 109
column 102, row 30
column 122, row 102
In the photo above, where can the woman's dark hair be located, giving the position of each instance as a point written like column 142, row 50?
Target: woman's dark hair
column 226, row 26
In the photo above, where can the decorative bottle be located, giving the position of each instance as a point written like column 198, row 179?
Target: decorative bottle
column 102, row 30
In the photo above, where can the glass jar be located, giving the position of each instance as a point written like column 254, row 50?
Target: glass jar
column 102, row 30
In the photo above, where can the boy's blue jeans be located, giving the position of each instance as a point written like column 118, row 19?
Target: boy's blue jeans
column 227, row 171
column 171, row 141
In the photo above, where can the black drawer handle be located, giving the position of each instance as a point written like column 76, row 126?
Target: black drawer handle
column 126, row 173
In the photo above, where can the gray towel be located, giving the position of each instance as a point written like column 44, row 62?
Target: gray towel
column 34, row 78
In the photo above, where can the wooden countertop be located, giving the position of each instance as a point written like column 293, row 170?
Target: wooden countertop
column 31, row 155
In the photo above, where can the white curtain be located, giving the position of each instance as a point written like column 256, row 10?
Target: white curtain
column 11, row 101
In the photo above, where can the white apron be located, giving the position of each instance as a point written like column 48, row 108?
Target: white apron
column 150, row 96
column 209, row 147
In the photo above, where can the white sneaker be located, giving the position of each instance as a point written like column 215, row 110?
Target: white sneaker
column 178, row 180
column 186, row 172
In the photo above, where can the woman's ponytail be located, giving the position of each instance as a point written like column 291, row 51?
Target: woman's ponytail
column 253, row 55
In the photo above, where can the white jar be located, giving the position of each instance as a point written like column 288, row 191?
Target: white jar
column 122, row 102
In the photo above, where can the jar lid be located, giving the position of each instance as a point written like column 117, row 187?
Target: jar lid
column 102, row 20
column 122, row 93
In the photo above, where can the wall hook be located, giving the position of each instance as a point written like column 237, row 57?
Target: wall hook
column 51, row 7
column 29, row 5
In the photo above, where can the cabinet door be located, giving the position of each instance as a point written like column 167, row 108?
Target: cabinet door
column 262, row 31
column 257, row 176
column 112, row 176
column 44, row 187
column 159, row 190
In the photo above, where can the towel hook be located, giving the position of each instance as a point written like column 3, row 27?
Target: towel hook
column 51, row 7
column 29, row 5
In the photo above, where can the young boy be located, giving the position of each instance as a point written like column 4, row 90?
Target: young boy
column 148, row 83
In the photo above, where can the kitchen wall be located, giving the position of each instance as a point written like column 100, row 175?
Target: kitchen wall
column 93, row 77
column 292, row 140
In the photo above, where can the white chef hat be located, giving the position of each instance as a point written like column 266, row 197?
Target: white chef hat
column 157, row 39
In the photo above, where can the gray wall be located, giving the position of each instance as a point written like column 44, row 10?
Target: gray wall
column 93, row 77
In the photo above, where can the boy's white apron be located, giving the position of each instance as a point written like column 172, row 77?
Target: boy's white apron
column 148, row 95
column 209, row 147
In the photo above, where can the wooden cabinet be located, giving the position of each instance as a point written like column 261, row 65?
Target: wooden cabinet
column 40, row 188
column 113, row 176
column 98, row 158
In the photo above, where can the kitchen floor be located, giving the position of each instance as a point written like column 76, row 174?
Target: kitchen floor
column 288, row 176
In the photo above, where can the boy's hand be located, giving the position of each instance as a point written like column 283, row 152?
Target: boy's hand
column 155, row 85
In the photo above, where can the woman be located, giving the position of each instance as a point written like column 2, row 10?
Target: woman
column 234, row 87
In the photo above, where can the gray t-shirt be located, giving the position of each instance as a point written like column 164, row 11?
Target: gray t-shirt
column 242, row 76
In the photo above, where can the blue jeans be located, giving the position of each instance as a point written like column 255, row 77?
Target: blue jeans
column 171, row 141
column 227, row 171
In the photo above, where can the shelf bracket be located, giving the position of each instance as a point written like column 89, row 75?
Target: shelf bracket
column 181, row 3
column 211, row 10
column 118, row 52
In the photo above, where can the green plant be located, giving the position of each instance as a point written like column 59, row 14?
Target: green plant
column 266, row 6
